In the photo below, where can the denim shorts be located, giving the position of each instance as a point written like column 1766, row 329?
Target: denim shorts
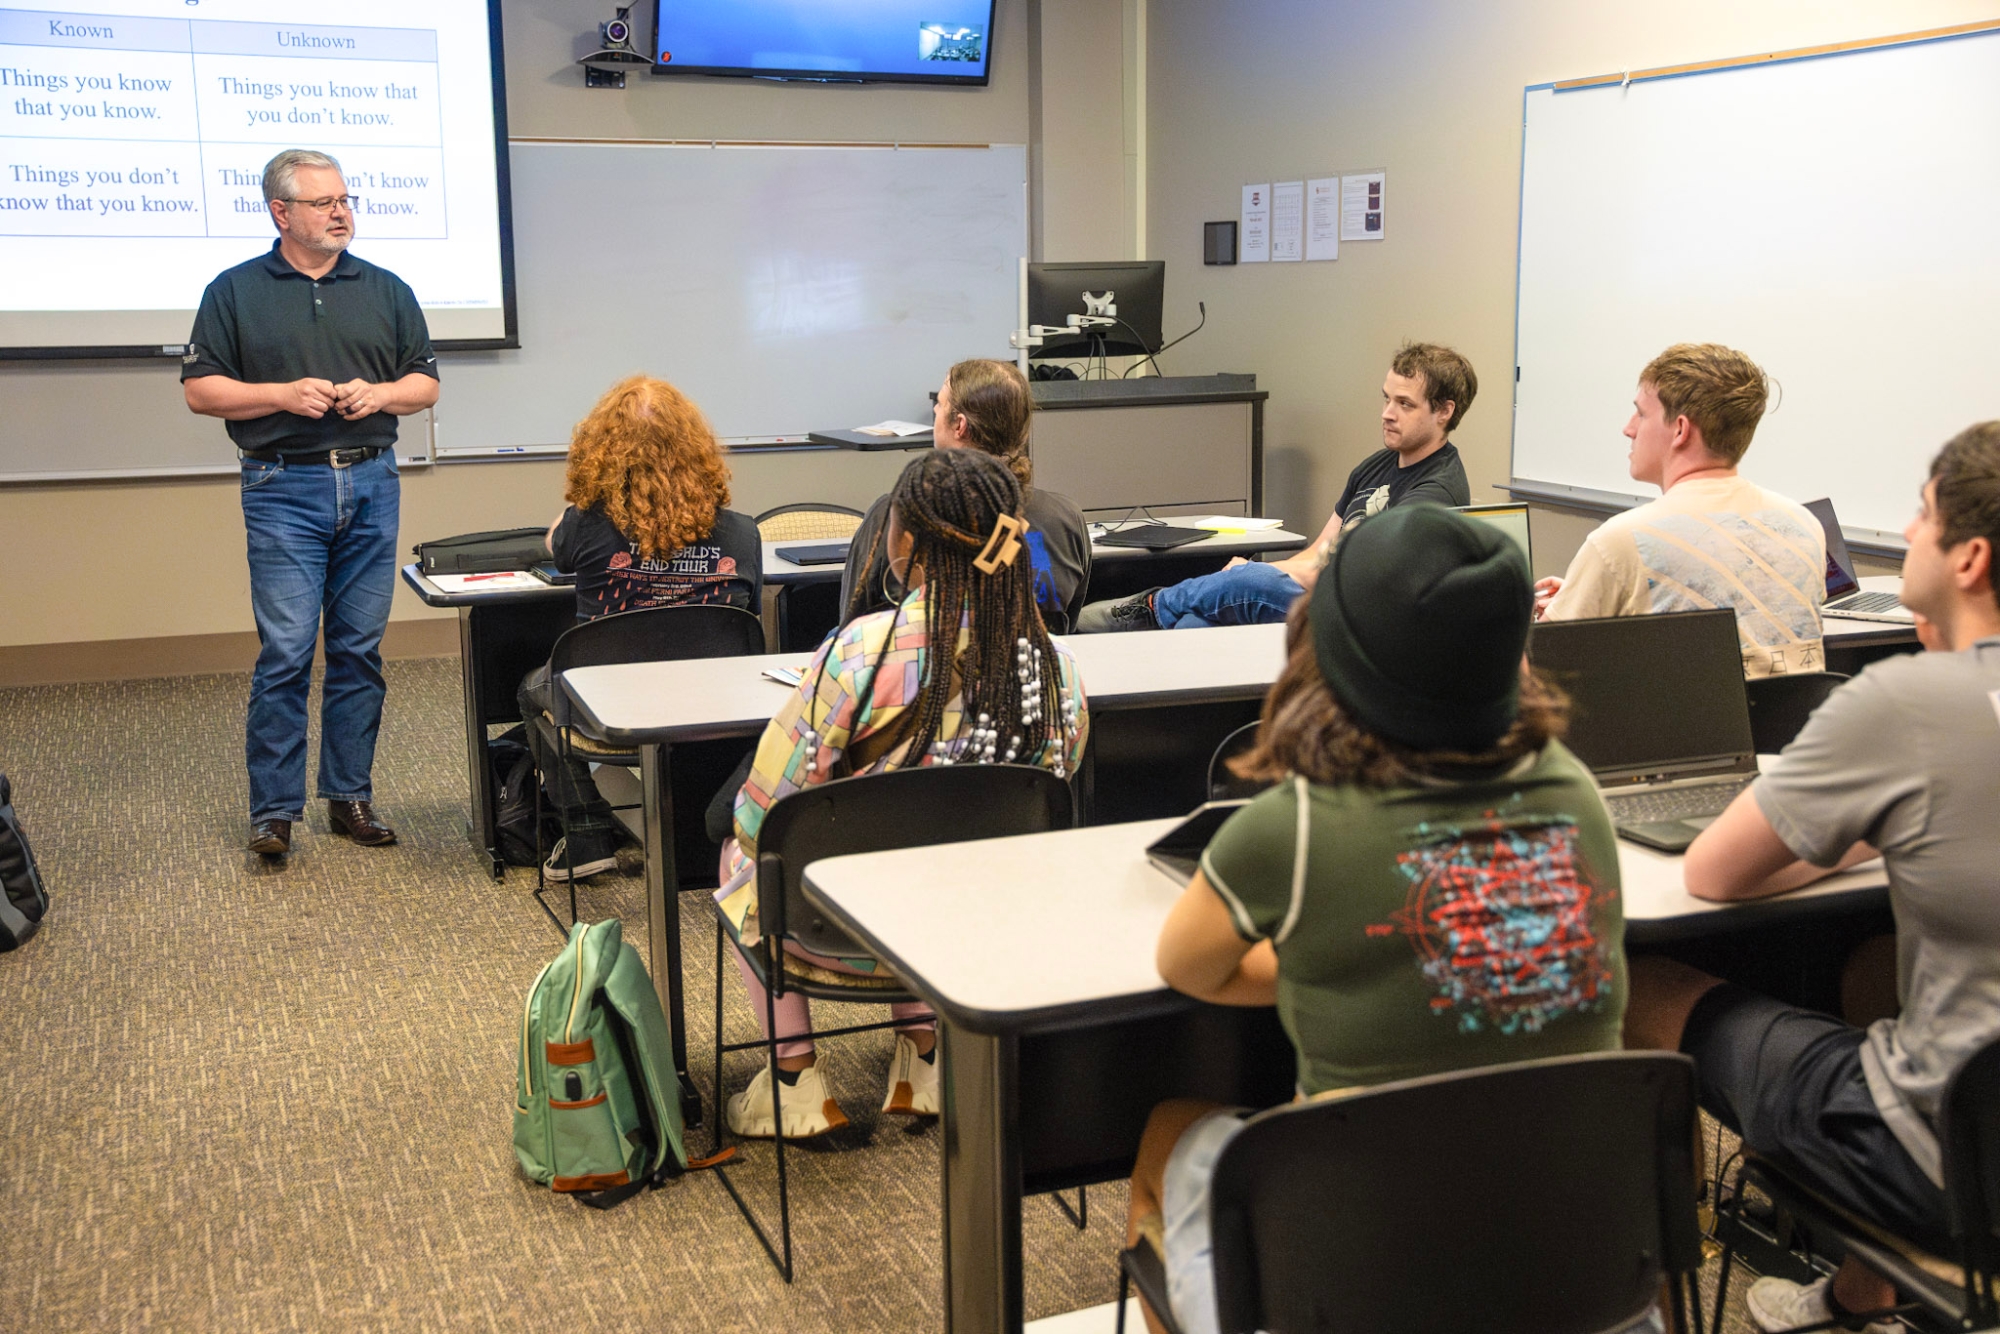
column 1790, row 1082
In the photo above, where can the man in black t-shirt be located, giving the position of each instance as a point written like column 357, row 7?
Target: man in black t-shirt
column 1424, row 397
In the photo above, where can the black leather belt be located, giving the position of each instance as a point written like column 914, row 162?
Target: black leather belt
column 339, row 458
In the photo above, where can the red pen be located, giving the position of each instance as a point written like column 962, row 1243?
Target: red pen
column 503, row 574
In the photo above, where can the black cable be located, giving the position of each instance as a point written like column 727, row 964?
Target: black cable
column 1202, row 306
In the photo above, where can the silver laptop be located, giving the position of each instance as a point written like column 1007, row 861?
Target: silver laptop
column 1659, row 712
column 1510, row 519
column 1843, row 591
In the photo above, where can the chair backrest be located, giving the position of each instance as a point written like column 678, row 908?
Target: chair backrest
column 653, row 634
column 1969, row 1123
column 1549, row 1196
column 1224, row 785
column 808, row 521
column 906, row 808
column 1780, row 705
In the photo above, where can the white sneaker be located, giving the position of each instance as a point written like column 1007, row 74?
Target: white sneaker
column 1778, row 1304
column 555, row 870
column 809, row 1109
column 913, row 1081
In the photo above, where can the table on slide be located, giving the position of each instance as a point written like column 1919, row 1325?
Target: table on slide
column 1059, row 1037
column 1129, row 683
column 504, row 635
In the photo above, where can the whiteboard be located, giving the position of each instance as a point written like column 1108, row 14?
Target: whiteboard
column 1837, row 218
column 785, row 289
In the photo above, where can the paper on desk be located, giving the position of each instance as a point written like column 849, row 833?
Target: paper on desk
column 1232, row 523
column 502, row 581
column 895, row 428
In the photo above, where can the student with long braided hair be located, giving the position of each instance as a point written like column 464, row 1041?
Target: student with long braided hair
column 877, row 697
column 985, row 405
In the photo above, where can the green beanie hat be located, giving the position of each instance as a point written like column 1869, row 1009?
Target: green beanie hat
column 1419, row 621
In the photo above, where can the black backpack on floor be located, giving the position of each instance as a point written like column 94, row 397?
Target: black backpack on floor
column 514, row 791
column 23, row 897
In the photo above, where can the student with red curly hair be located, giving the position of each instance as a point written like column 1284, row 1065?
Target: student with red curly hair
column 646, row 526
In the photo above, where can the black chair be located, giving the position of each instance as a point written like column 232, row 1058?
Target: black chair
column 1958, row 1290
column 1224, row 785
column 907, row 808
column 801, row 614
column 1545, row 1197
column 1780, row 705
column 655, row 634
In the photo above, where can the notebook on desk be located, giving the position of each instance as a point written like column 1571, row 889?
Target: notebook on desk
column 1843, row 591
column 1154, row 536
column 1659, row 712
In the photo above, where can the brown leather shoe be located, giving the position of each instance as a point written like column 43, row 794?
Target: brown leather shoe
column 356, row 820
column 272, row 838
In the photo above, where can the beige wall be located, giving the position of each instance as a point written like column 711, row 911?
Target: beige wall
column 136, row 567
column 1430, row 92
column 1090, row 128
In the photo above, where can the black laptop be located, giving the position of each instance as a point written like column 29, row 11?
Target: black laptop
column 1659, row 713
column 816, row 553
column 1178, row 851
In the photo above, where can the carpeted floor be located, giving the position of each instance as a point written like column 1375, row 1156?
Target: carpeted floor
column 247, row 1098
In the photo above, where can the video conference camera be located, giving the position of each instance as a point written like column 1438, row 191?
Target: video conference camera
column 603, row 68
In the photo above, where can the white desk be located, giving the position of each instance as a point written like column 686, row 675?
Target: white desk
column 1018, row 942
column 652, row 706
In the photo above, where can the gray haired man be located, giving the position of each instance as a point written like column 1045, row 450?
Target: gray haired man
column 310, row 354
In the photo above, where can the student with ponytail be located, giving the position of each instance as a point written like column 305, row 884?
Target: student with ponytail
column 877, row 697
column 985, row 406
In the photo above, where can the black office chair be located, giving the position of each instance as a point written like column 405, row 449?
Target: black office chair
column 1780, row 705
column 1959, row 1289
column 813, row 607
column 1545, row 1197
column 908, row 808
column 1223, row 785
column 655, row 634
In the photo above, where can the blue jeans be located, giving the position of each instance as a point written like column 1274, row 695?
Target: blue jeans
column 1252, row 594
column 322, row 543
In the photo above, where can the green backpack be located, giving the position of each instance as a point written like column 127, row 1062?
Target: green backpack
column 597, row 1104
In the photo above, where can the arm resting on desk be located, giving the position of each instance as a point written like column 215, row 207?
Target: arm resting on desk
column 1741, row 857
column 1201, row 955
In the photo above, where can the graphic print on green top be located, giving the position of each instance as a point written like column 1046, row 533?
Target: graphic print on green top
column 1500, row 916
column 1423, row 929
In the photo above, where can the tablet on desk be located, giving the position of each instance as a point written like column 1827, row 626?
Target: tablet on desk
column 818, row 553
column 1178, row 851
column 1155, row 536
column 548, row 572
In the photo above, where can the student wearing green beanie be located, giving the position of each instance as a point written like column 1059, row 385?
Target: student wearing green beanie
column 1430, row 884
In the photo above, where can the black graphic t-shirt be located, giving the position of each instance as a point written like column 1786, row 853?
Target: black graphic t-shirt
column 1377, row 483
column 726, row 566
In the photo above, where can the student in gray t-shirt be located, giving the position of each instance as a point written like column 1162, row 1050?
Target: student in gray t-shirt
column 1904, row 760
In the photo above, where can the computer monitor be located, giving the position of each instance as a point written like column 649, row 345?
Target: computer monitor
column 1509, row 519
column 1651, row 695
column 1137, row 288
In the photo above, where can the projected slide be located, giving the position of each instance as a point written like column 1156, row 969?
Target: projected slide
column 133, row 141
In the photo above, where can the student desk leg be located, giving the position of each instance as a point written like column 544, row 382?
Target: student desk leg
column 1054, row 1108
column 498, row 644
column 663, row 916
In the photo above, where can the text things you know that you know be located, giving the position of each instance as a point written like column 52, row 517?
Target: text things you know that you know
column 133, row 138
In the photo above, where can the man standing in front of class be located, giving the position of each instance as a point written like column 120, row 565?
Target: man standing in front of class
column 310, row 355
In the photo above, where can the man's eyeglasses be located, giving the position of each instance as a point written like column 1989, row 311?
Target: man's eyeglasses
column 330, row 203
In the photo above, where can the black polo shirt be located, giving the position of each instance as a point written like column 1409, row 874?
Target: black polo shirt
column 264, row 322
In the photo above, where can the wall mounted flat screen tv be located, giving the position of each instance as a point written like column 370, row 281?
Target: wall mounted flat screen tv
column 873, row 41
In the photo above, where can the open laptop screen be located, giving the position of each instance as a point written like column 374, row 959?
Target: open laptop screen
column 1653, row 696
column 1509, row 519
column 1840, row 580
